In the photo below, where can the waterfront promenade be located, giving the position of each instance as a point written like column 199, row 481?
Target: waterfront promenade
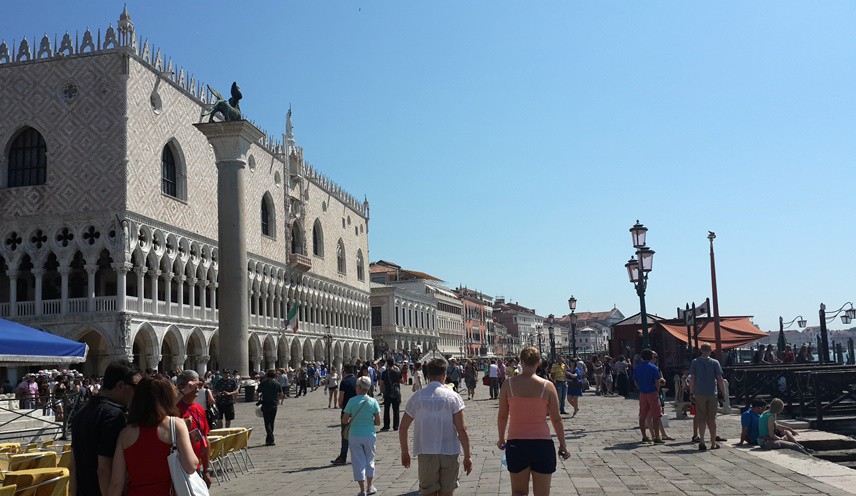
column 605, row 457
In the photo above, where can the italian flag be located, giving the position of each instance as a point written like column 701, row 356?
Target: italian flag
column 292, row 315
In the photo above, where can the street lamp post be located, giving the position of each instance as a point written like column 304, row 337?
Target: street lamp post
column 552, row 340
column 572, row 304
column 540, row 351
column 328, row 340
column 638, row 268
column 849, row 315
column 801, row 322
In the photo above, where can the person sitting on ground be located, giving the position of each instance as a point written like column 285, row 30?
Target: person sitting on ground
column 772, row 435
column 749, row 422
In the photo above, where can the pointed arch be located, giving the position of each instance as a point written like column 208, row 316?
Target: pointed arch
column 173, row 171
column 341, row 262
column 268, row 216
column 361, row 266
column 317, row 239
column 297, row 239
column 27, row 159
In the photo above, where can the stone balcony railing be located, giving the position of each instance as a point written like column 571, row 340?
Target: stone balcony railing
column 299, row 261
column 103, row 304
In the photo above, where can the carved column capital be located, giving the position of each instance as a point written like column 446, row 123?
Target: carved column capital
column 122, row 267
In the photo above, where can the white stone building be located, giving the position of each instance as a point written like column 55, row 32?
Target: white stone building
column 593, row 338
column 403, row 320
column 108, row 215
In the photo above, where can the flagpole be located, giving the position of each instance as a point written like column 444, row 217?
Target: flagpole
column 717, row 331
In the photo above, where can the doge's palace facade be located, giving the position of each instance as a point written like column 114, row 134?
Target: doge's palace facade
column 108, row 216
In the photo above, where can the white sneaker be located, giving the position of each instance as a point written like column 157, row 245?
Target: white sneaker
column 372, row 490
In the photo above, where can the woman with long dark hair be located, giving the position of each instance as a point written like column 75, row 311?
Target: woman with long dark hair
column 143, row 446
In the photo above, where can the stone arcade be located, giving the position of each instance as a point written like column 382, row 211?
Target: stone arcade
column 109, row 226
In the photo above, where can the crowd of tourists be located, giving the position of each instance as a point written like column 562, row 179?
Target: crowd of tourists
column 769, row 355
column 124, row 429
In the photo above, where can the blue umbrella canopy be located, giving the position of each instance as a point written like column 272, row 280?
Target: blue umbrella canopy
column 24, row 345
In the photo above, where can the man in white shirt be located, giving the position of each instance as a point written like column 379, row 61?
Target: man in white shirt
column 439, row 433
column 493, row 379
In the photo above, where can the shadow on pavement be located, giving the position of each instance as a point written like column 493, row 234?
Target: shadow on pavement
column 625, row 446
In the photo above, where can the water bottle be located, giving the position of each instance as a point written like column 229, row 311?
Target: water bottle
column 504, row 463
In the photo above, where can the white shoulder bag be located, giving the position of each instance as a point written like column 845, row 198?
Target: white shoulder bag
column 183, row 483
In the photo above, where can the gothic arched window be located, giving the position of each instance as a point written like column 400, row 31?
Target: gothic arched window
column 317, row 239
column 27, row 159
column 296, row 239
column 360, row 266
column 173, row 171
column 340, row 257
column 169, row 172
column 268, row 216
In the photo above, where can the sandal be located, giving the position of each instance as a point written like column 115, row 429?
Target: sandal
column 714, row 446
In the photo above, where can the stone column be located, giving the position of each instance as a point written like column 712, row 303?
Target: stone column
column 191, row 294
column 121, row 284
column 13, row 292
column 141, row 287
column 90, row 286
column 202, row 364
column 155, row 275
column 167, row 292
column 213, row 299
column 180, row 293
column 63, row 304
column 204, row 288
column 231, row 141
column 39, row 273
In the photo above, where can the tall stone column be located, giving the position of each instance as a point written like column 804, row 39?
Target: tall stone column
column 167, row 292
column 122, row 269
column 63, row 303
column 39, row 274
column 13, row 292
column 90, row 286
column 155, row 276
column 141, row 287
column 231, row 141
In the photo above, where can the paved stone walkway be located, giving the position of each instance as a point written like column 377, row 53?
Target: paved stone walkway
column 605, row 457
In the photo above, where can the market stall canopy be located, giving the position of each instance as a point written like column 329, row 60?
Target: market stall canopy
column 631, row 327
column 22, row 345
column 734, row 331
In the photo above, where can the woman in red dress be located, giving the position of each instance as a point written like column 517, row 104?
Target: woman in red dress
column 143, row 446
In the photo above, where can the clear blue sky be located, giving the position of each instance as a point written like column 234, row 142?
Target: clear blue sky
column 509, row 146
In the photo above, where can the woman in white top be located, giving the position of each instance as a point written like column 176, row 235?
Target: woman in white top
column 417, row 376
column 332, row 388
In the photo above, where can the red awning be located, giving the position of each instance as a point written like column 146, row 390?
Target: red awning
column 734, row 331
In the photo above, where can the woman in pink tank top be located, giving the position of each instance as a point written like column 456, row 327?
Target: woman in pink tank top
column 529, row 449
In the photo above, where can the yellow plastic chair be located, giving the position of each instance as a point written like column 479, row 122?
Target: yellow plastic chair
column 10, row 447
column 65, row 459
column 26, row 461
column 230, row 444
column 39, row 482
column 215, row 455
column 8, row 490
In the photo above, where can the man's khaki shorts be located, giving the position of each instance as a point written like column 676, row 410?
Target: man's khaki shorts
column 706, row 407
column 438, row 473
